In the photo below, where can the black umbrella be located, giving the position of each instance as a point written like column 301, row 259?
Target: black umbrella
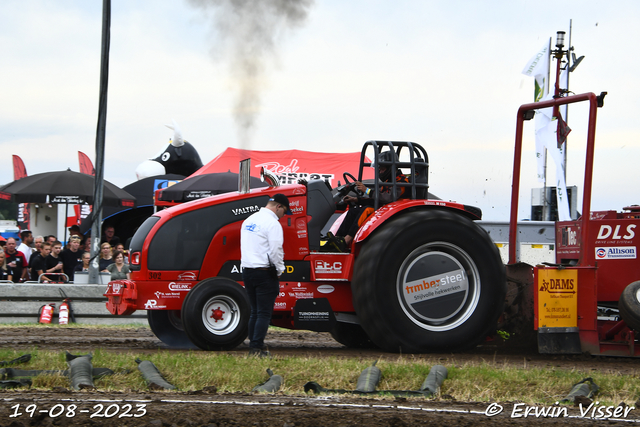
column 205, row 185
column 60, row 187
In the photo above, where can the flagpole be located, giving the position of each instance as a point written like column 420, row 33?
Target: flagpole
column 566, row 111
column 545, row 202
column 98, row 188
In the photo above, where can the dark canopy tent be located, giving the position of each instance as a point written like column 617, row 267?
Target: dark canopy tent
column 126, row 221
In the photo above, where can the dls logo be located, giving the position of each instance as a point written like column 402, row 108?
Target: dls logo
column 607, row 231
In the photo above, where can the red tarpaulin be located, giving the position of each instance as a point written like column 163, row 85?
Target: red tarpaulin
column 290, row 165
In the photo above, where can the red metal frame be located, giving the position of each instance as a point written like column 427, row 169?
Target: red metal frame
column 598, row 337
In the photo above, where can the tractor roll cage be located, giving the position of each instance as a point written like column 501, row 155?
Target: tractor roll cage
column 418, row 164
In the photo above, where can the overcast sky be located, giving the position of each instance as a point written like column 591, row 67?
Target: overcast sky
column 445, row 74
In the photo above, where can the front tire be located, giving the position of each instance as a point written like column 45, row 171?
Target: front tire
column 215, row 314
column 429, row 280
column 167, row 326
column 629, row 305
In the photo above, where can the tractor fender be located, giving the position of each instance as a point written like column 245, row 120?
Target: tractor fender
column 399, row 207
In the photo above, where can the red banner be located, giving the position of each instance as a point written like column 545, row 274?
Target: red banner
column 86, row 167
column 24, row 212
column 290, row 165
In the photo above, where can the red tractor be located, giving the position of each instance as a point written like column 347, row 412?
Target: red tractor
column 421, row 275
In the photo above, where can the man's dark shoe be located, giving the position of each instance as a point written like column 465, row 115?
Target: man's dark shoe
column 257, row 352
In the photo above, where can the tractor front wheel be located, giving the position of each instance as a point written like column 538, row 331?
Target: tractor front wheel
column 215, row 314
column 429, row 280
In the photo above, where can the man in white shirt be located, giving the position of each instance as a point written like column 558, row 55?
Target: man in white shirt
column 26, row 238
column 262, row 262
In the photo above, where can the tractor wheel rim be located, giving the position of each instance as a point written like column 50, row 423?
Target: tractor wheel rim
column 221, row 315
column 638, row 296
column 438, row 286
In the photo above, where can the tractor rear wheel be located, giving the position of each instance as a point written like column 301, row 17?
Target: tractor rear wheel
column 429, row 280
column 215, row 314
column 351, row 335
column 629, row 305
column 167, row 326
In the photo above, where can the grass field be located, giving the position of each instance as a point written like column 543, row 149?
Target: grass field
column 478, row 381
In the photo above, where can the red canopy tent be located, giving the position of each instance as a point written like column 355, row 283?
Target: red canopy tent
column 289, row 165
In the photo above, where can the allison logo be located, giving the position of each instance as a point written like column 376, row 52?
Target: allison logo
column 616, row 252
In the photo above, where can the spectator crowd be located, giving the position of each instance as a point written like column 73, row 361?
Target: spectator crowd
column 44, row 259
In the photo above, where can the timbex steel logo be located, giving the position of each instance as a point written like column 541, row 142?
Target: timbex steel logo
column 616, row 252
column 436, row 286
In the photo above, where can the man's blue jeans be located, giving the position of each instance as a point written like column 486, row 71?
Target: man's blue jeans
column 263, row 290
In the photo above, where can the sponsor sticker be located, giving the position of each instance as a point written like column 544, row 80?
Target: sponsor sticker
column 436, row 286
column 180, row 287
column 324, row 267
column 325, row 289
column 153, row 305
column 187, row 275
column 616, row 252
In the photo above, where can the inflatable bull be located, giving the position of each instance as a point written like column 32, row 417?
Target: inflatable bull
column 180, row 158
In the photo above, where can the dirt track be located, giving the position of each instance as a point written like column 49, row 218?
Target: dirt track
column 245, row 409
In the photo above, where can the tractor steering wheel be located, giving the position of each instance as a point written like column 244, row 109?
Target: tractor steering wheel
column 352, row 184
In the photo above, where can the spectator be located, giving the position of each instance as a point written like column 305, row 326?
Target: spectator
column 87, row 244
column 106, row 257
column 39, row 263
column 50, row 238
column 120, row 247
column 119, row 270
column 84, row 265
column 4, row 275
column 25, row 246
column 71, row 257
column 38, row 241
column 16, row 261
column 109, row 236
column 54, row 262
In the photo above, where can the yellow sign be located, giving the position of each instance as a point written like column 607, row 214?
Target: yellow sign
column 557, row 298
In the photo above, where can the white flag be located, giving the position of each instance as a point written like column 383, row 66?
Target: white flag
column 546, row 134
column 538, row 67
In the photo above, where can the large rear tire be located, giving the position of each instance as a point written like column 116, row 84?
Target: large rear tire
column 351, row 335
column 215, row 314
column 429, row 280
column 629, row 305
column 167, row 326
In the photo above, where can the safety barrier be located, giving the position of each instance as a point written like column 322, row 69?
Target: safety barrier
column 21, row 302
